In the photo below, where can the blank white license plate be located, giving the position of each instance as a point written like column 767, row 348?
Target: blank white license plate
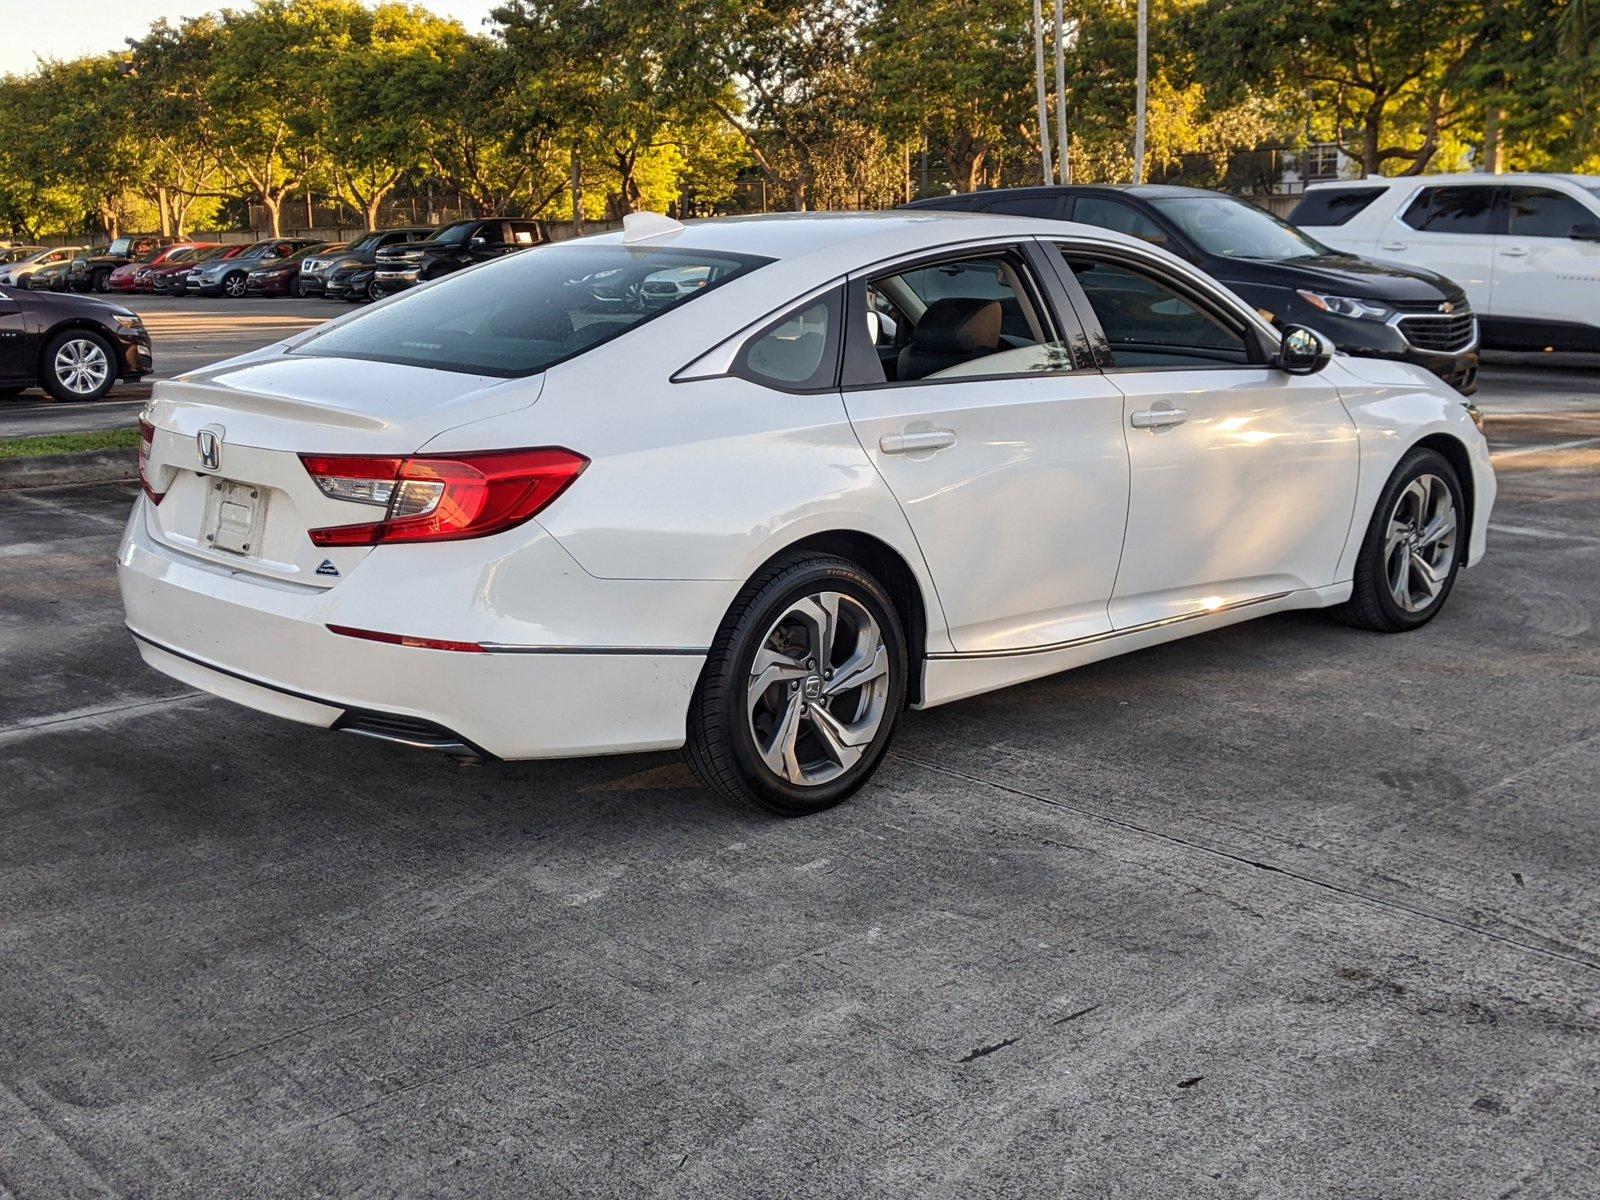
column 236, row 514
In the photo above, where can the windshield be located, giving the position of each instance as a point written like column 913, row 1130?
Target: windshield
column 455, row 233
column 121, row 246
column 530, row 311
column 1230, row 228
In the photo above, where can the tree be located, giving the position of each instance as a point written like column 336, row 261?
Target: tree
column 1386, row 79
column 968, row 103
column 265, row 99
column 169, row 73
column 385, row 84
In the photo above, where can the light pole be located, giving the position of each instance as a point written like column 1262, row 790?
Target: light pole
column 1038, row 78
column 1143, row 85
column 1066, row 36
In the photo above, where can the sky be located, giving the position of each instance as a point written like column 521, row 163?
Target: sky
column 67, row 28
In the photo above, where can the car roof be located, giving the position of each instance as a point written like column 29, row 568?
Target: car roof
column 852, row 239
column 1143, row 191
column 1409, row 181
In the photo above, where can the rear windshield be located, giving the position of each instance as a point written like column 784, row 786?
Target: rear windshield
column 525, row 313
column 1333, row 206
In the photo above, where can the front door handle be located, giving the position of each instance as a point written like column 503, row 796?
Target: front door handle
column 1515, row 252
column 908, row 443
column 1158, row 418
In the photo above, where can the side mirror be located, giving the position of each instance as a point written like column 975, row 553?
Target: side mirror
column 1304, row 351
column 1585, row 231
column 479, row 241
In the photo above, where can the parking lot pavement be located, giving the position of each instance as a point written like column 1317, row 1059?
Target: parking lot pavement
column 1283, row 910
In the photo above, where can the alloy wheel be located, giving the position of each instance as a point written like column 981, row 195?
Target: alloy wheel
column 1420, row 545
column 235, row 285
column 818, row 688
column 81, row 366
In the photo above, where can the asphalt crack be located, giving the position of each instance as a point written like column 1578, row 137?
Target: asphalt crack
column 1398, row 906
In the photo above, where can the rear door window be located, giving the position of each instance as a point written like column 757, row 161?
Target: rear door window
column 1458, row 210
column 1333, row 206
column 981, row 316
column 1046, row 207
column 1117, row 216
column 523, row 313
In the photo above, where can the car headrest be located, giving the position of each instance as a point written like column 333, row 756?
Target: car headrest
column 958, row 325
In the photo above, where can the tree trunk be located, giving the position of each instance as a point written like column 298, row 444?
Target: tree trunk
column 274, row 207
column 1493, row 156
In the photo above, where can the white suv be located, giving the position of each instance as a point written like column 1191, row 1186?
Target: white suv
column 1525, row 247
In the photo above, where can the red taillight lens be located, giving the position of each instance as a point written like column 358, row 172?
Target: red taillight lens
column 147, row 437
column 441, row 497
column 402, row 639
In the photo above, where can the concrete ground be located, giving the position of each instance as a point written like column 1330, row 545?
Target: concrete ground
column 1286, row 910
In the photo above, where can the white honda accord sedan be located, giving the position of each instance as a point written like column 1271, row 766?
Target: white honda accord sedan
column 843, row 464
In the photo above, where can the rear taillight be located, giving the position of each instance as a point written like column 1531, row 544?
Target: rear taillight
column 147, row 437
column 441, row 497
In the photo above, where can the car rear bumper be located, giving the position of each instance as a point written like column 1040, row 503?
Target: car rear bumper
column 267, row 645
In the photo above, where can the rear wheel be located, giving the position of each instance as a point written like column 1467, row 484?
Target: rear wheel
column 1409, row 559
column 79, row 364
column 802, row 688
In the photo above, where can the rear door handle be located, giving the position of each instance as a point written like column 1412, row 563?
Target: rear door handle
column 1158, row 418
column 1515, row 252
column 907, row 443
column 1391, row 245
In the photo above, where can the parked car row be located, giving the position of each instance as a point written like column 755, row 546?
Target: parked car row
column 367, row 268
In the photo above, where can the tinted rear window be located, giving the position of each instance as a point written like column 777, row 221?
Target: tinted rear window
column 1467, row 209
column 1048, row 207
column 1333, row 206
column 529, row 311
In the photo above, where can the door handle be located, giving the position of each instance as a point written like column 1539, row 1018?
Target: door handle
column 907, row 443
column 1158, row 418
column 1391, row 245
column 1515, row 252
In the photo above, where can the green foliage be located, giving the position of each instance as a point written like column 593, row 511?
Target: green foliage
column 784, row 103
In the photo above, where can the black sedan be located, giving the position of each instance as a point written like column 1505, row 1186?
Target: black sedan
column 74, row 347
column 1369, row 309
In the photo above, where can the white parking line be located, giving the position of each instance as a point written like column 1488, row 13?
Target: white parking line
column 1550, row 535
column 1521, row 450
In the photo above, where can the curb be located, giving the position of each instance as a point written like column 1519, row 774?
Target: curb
column 86, row 466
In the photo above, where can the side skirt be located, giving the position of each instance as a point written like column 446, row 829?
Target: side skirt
column 950, row 677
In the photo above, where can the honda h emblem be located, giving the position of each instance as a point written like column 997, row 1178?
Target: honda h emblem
column 209, row 443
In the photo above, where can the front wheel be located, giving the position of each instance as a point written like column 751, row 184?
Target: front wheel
column 1409, row 559
column 79, row 364
column 101, row 281
column 802, row 688
column 236, row 285
column 375, row 291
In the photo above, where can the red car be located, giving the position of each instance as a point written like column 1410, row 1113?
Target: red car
column 126, row 278
column 168, row 279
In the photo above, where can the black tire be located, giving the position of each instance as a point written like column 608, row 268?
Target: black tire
column 1373, row 604
column 51, row 377
column 297, row 290
column 235, row 285
column 375, row 290
column 722, row 747
column 100, row 281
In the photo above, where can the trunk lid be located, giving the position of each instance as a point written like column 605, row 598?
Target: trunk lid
column 227, row 442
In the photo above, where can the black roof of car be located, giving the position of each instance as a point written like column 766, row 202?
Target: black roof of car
column 1143, row 191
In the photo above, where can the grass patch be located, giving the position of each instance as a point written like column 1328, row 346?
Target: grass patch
column 69, row 443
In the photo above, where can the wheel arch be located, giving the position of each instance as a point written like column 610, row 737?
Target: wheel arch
column 1456, row 454
column 65, row 325
column 890, row 568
